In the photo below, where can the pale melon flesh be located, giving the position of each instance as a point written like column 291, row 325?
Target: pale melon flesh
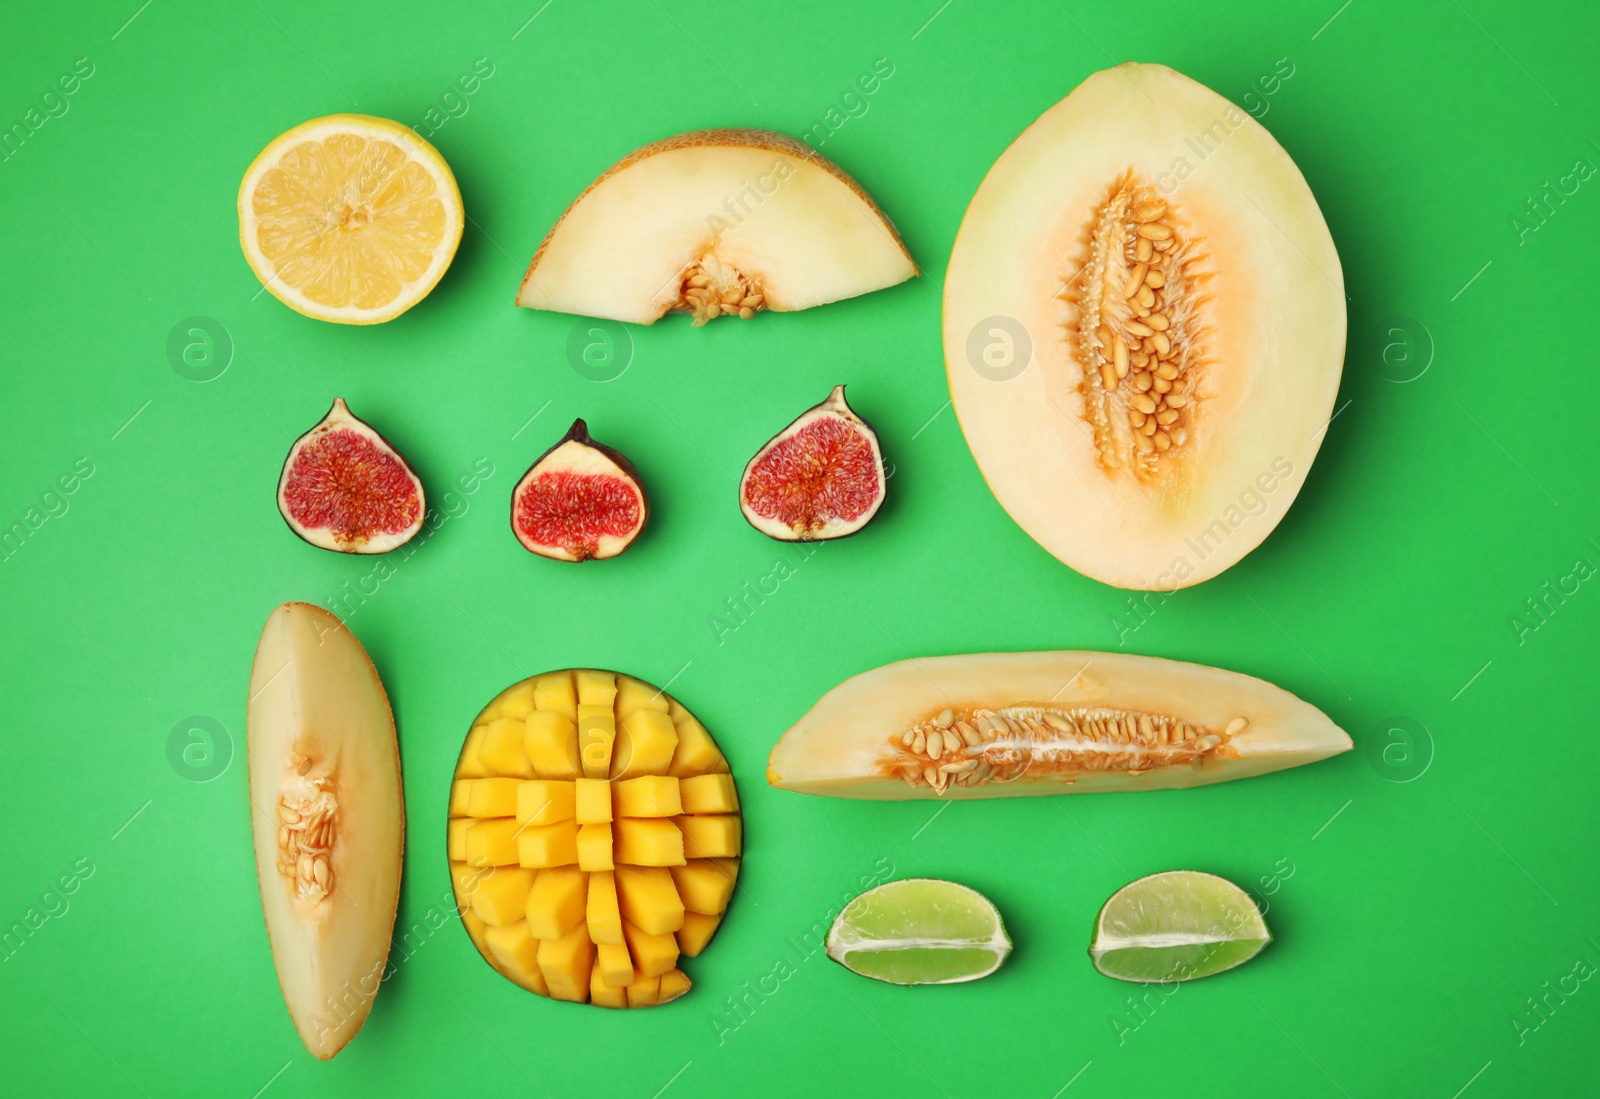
column 1144, row 328
column 328, row 818
column 1016, row 724
column 715, row 223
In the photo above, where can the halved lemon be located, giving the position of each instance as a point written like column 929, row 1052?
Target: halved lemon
column 349, row 218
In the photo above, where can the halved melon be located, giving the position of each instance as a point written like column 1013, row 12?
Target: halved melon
column 1015, row 724
column 328, row 817
column 715, row 223
column 1144, row 327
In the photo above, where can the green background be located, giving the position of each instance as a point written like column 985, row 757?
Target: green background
column 1414, row 918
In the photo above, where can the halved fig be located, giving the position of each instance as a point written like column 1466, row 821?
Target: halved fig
column 1144, row 327
column 821, row 477
column 715, row 223
column 345, row 488
column 328, row 817
column 580, row 501
column 1015, row 724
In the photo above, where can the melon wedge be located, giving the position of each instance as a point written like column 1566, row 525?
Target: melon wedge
column 1017, row 724
column 715, row 223
column 328, row 818
column 1144, row 328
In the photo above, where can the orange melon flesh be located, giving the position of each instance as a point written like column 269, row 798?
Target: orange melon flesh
column 1254, row 301
column 746, row 209
column 1016, row 724
column 574, row 891
column 328, row 819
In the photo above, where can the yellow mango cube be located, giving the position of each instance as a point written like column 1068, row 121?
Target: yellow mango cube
column 464, row 881
column 697, row 753
column 478, row 930
column 648, row 899
column 673, row 985
column 648, row 841
column 648, row 796
column 492, row 797
column 596, row 688
column 645, row 992
column 516, row 703
column 710, row 836
column 469, row 766
column 542, row 845
column 713, row 793
column 705, row 886
column 645, row 744
column 555, row 692
column 457, row 839
column 491, row 842
column 615, row 964
column 567, row 964
column 602, row 994
column 653, row 955
column 601, row 912
column 593, row 800
column 513, row 947
column 594, row 847
column 502, row 897
column 633, row 695
column 597, row 732
column 501, row 752
column 696, row 932
column 550, row 740
column 544, row 801
column 555, row 903
column 460, row 796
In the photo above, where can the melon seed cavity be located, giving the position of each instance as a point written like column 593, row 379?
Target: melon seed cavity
column 981, row 746
column 1138, row 326
column 306, row 828
column 711, row 288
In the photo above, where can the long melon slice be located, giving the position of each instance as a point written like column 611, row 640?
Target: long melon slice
column 328, row 817
column 1017, row 724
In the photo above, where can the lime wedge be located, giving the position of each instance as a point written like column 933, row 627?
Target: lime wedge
column 1177, row 926
column 920, row 931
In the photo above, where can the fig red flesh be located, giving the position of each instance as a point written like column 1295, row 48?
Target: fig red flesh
column 345, row 488
column 821, row 477
column 580, row 501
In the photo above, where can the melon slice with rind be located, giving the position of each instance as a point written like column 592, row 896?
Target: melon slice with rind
column 1178, row 925
column 328, row 819
column 920, row 931
column 715, row 223
column 1015, row 724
